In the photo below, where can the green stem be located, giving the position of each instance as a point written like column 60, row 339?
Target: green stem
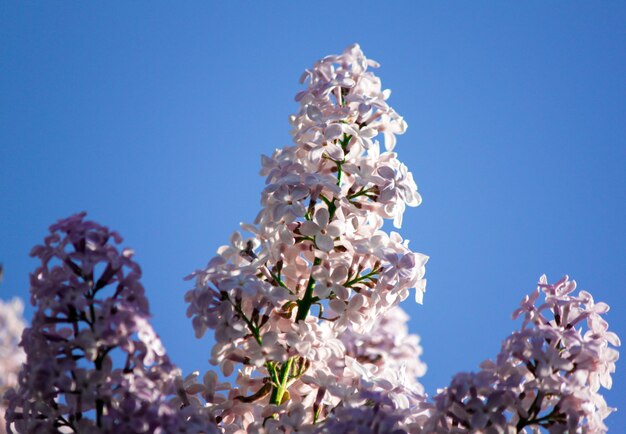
column 332, row 206
column 304, row 305
column 280, row 388
column 253, row 329
column 360, row 278
column 278, row 280
column 362, row 192
column 339, row 173
column 271, row 368
column 316, row 414
column 344, row 145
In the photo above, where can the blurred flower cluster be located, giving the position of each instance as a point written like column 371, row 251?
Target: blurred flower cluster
column 11, row 356
column 303, row 306
column 93, row 362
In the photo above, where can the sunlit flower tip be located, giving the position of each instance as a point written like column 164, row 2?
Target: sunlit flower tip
column 420, row 289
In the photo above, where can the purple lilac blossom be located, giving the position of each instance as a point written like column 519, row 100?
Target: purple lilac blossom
column 93, row 362
column 547, row 375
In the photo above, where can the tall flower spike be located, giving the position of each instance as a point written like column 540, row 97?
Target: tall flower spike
column 547, row 375
column 317, row 261
column 94, row 363
column 11, row 356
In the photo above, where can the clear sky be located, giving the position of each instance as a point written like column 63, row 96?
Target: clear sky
column 152, row 117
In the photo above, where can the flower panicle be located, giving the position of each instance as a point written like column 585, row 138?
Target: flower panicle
column 547, row 375
column 317, row 262
column 93, row 362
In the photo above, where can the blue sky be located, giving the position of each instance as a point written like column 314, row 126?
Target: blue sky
column 152, row 117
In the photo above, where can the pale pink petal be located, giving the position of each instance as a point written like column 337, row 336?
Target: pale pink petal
column 324, row 242
column 322, row 216
column 309, row 228
column 333, row 131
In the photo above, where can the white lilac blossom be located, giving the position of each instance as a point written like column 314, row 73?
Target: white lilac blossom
column 93, row 362
column 11, row 355
column 317, row 264
column 547, row 375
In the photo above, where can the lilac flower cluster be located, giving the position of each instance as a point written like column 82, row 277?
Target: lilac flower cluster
column 93, row 362
column 317, row 264
column 547, row 375
column 11, row 355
